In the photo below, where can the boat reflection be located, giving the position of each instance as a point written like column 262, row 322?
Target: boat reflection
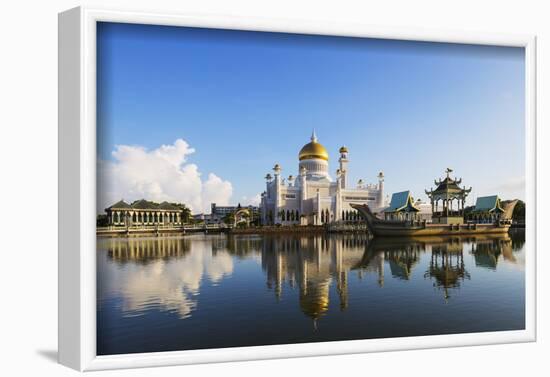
column 168, row 274
column 487, row 252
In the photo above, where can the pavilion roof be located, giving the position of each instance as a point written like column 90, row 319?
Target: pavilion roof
column 121, row 204
column 400, row 201
column 168, row 206
column 448, row 186
column 144, row 204
column 488, row 204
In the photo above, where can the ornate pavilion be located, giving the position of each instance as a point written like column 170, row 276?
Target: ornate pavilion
column 447, row 267
column 452, row 199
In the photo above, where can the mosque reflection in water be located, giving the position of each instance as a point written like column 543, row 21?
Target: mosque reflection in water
column 175, row 268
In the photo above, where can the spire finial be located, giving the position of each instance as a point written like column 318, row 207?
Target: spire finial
column 314, row 136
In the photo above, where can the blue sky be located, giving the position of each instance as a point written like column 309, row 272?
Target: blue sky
column 246, row 100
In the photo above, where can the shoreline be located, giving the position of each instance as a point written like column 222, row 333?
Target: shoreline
column 280, row 229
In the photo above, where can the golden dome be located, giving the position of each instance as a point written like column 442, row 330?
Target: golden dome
column 313, row 149
column 314, row 300
column 344, row 149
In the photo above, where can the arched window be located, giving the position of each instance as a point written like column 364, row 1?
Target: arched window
column 322, row 217
column 288, row 215
column 283, row 215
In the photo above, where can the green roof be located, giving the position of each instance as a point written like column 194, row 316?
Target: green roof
column 121, row 204
column 168, row 206
column 144, row 204
column 400, row 201
column 488, row 204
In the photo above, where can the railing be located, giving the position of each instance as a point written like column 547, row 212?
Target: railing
column 447, row 214
column 162, row 227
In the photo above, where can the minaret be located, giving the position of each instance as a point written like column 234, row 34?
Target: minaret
column 380, row 190
column 277, row 172
column 290, row 180
column 343, row 160
column 318, row 208
column 338, row 197
column 303, row 189
column 265, row 196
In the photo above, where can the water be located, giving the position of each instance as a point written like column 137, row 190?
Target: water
column 212, row 291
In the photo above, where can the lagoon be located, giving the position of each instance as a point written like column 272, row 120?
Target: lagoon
column 211, row 291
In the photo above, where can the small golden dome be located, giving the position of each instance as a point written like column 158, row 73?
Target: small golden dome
column 313, row 149
column 343, row 149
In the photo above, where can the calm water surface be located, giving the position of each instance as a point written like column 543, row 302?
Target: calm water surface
column 212, row 291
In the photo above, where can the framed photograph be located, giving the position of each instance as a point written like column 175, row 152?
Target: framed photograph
column 236, row 189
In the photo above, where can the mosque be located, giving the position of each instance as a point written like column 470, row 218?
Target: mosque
column 313, row 197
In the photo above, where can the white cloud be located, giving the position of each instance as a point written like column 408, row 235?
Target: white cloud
column 172, row 285
column 252, row 201
column 512, row 188
column 160, row 174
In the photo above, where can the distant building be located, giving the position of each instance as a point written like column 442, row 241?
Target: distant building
column 221, row 211
column 217, row 213
column 313, row 197
column 143, row 212
column 425, row 213
column 207, row 218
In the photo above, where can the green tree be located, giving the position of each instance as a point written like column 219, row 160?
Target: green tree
column 229, row 218
column 102, row 220
column 186, row 212
column 519, row 211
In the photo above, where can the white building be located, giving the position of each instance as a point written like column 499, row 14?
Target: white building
column 313, row 197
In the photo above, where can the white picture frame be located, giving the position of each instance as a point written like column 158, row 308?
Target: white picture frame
column 77, row 190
